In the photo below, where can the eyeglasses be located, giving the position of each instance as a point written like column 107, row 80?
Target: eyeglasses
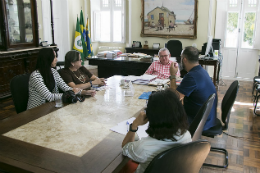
column 163, row 56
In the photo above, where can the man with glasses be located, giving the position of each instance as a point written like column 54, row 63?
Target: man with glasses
column 161, row 68
column 195, row 87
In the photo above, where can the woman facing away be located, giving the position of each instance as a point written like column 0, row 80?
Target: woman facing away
column 167, row 129
column 45, row 80
column 76, row 75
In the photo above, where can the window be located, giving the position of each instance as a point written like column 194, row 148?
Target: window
column 252, row 3
column 108, row 20
column 241, row 23
column 232, row 3
column 249, row 30
column 232, row 29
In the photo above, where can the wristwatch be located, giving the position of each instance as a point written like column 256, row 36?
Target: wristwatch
column 172, row 77
column 90, row 83
column 130, row 128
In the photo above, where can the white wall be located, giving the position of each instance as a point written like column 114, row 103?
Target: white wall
column 136, row 6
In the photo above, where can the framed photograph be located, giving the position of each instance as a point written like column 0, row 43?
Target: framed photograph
column 156, row 45
column 169, row 19
column 137, row 44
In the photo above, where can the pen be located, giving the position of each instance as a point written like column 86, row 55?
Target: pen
column 127, row 126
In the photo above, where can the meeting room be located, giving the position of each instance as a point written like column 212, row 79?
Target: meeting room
column 129, row 86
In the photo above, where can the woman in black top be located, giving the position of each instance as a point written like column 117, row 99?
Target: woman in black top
column 76, row 75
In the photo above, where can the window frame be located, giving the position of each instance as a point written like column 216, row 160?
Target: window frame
column 241, row 21
column 111, row 8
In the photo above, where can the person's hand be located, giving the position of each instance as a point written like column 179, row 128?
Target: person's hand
column 90, row 92
column 174, row 68
column 141, row 119
column 98, row 81
column 103, row 82
column 76, row 90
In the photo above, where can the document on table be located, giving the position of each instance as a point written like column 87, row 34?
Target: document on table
column 122, row 128
column 159, row 82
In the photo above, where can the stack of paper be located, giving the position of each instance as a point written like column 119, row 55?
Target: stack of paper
column 145, row 79
column 157, row 82
column 123, row 128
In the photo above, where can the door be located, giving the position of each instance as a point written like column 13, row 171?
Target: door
column 238, row 34
column 161, row 19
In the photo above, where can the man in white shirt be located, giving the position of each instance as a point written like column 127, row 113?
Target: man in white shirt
column 161, row 68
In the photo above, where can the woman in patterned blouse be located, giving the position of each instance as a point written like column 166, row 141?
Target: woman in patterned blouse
column 45, row 80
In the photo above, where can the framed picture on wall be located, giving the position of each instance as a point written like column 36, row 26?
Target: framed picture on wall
column 169, row 19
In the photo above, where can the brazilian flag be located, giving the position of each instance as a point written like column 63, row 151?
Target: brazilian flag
column 78, row 40
column 89, row 45
column 83, row 33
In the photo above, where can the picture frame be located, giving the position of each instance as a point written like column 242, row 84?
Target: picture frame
column 169, row 19
column 137, row 44
column 156, row 45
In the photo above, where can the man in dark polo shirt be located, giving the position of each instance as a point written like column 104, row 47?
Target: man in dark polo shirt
column 195, row 87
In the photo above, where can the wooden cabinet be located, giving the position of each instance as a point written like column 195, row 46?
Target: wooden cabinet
column 19, row 24
column 19, row 40
column 14, row 63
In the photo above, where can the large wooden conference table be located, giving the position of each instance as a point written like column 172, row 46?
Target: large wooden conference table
column 74, row 138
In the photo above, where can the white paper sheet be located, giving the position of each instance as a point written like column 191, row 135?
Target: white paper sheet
column 122, row 128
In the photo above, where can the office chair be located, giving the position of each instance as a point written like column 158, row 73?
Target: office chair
column 60, row 64
column 175, row 48
column 186, row 158
column 256, row 81
column 197, row 125
column 20, row 91
column 256, row 98
column 226, row 107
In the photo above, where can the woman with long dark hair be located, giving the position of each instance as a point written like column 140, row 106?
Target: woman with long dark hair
column 45, row 80
column 167, row 128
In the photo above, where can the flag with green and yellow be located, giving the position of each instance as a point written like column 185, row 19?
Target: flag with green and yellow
column 83, row 33
column 78, row 40
column 89, row 45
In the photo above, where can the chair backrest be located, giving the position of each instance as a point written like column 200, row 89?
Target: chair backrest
column 60, row 64
column 197, row 125
column 228, row 102
column 175, row 48
column 20, row 91
column 186, row 158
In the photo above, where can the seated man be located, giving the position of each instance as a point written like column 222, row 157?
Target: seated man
column 195, row 87
column 161, row 68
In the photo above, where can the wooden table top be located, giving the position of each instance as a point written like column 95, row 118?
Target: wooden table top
column 75, row 138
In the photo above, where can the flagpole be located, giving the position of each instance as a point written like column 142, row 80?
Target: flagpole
column 52, row 26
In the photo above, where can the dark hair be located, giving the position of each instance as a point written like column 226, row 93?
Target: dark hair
column 166, row 115
column 191, row 53
column 45, row 58
column 71, row 56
